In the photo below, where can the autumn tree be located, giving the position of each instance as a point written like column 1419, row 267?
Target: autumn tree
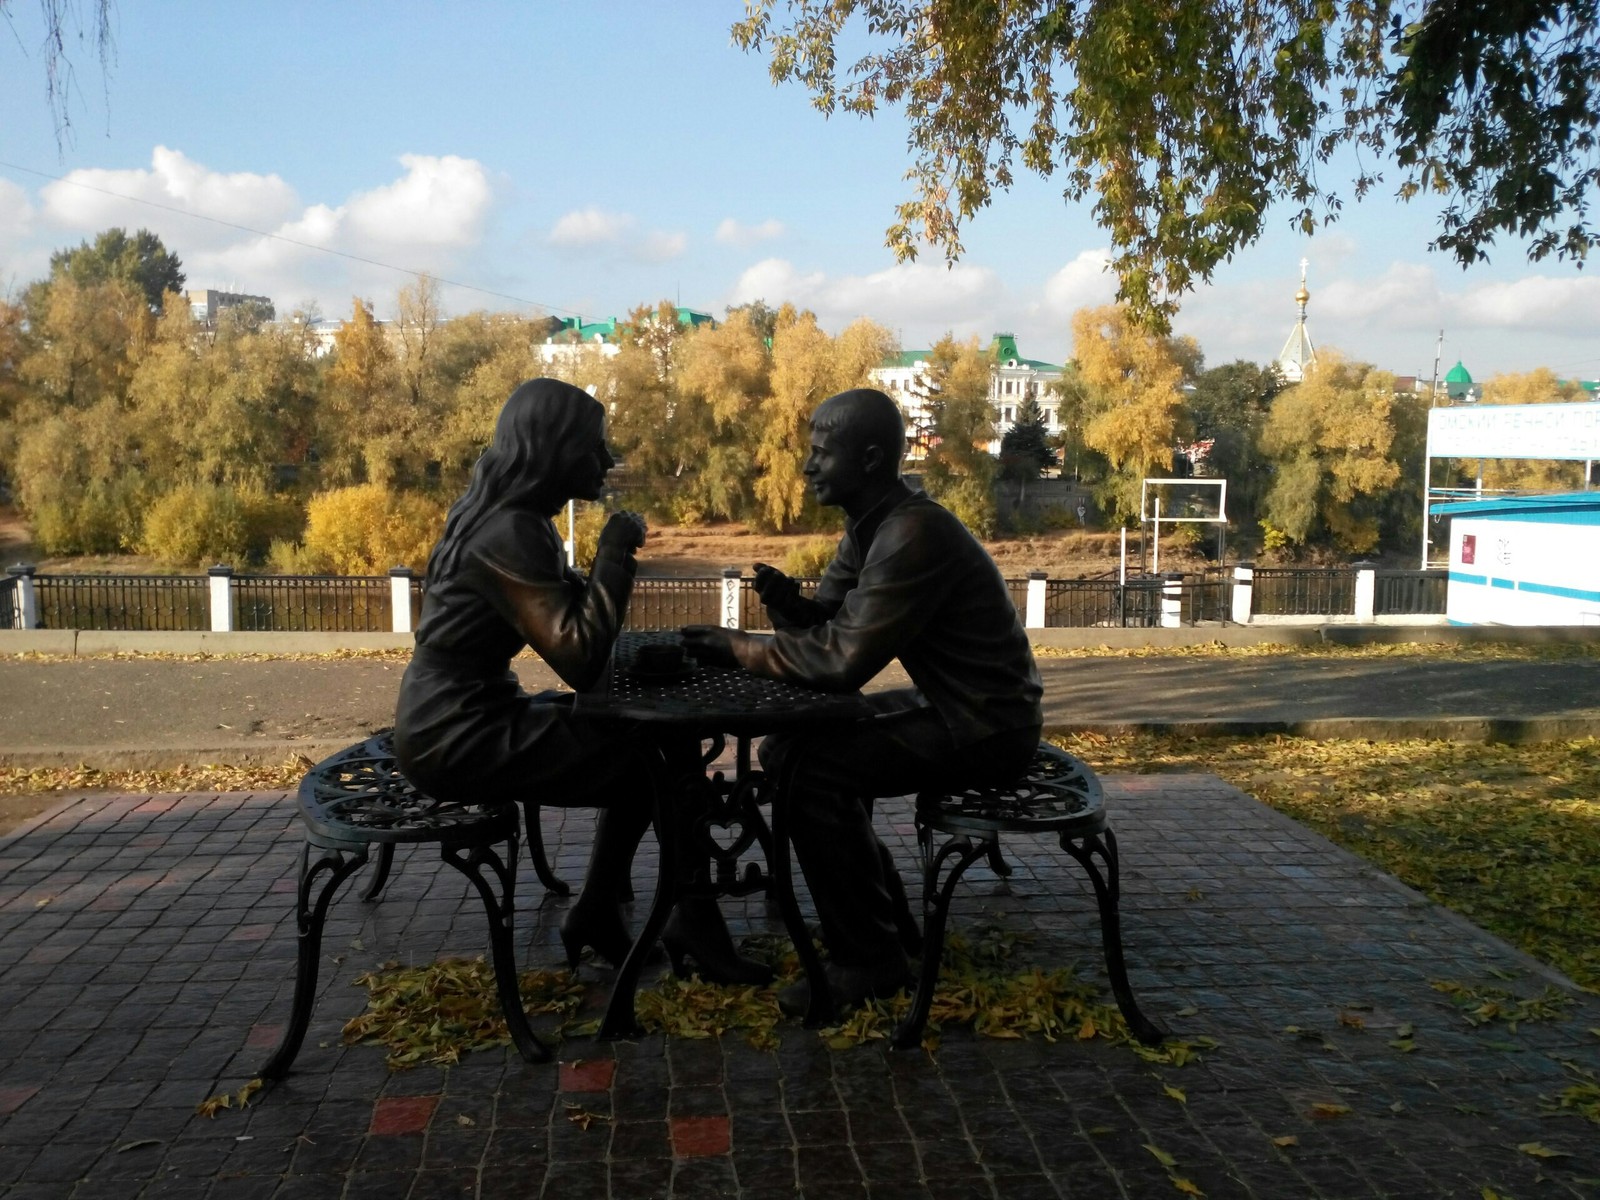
column 724, row 375
column 365, row 431
column 1330, row 438
column 1227, row 407
column 140, row 260
column 959, row 471
column 808, row 366
column 1186, row 124
column 1131, row 380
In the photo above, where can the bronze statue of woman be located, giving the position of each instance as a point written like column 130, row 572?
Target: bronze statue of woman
column 497, row 581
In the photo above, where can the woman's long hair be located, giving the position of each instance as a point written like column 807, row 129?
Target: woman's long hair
column 544, row 425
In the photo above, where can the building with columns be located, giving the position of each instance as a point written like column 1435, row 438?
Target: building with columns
column 1012, row 380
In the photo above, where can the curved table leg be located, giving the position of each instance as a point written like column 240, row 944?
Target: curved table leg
column 380, row 875
column 1106, row 893
column 936, row 907
column 541, row 864
column 309, row 919
column 500, row 911
column 620, row 1020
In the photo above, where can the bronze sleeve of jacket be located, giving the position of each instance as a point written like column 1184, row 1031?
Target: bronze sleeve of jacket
column 570, row 622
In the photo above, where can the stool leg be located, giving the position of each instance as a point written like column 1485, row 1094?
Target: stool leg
column 309, row 920
column 380, row 875
column 936, row 906
column 1106, row 893
column 541, row 864
column 821, row 1010
column 505, row 956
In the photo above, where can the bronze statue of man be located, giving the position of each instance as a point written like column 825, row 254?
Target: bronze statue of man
column 908, row 581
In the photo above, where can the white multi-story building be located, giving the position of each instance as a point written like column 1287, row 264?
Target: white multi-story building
column 1013, row 380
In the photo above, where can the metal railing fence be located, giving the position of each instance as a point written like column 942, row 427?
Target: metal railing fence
column 144, row 603
column 1409, row 593
column 1090, row 603
column 1304, row 591
column 312, row 604
column 1208, row 596
column 8, row 602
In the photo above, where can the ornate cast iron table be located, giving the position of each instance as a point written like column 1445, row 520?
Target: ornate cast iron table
column 704, row 825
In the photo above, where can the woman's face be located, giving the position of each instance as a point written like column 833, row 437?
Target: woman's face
column 584, row 478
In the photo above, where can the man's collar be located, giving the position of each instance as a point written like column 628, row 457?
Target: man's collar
column 864, row 529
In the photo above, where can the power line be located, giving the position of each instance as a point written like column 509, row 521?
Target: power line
column 278, row 237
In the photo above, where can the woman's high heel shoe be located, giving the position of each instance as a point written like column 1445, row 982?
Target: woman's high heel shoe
column 695, row 930
column 597, row 925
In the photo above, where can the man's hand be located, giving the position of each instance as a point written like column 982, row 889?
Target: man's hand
column 624, row 530
column 775, row 588
column 709, row 644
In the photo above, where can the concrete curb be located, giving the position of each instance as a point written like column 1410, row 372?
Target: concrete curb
column 1376, row 729
column 166, row 758
column 89, row 642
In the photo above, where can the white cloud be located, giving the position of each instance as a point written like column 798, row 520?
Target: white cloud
column 1535, row 302
column 440, row 201
column 90, row 199
column 16, row 214
column 731, row 233
column 660, row 246
column 1085, row 282
column 587, row 227
column 920, row 299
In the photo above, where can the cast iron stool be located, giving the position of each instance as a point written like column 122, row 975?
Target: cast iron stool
column 1058, row 795
column 358, row 799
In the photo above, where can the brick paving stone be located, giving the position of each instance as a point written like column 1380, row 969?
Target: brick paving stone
column 159, row 968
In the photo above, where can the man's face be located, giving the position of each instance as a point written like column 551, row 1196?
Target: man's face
column 833, row 468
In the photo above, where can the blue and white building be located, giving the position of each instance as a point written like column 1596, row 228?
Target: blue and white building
column 1524, row 560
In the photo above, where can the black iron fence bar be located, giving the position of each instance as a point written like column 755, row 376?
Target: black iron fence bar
column 312, row 603
column 1207, row 597
column 8, row 602
column 1304, row 591
column 669, row 603
column 1410, row 593
column 122, row 602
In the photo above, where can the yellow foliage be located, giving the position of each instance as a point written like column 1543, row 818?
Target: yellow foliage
column 366, row 529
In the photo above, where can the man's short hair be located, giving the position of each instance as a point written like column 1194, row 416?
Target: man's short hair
column 865, row 417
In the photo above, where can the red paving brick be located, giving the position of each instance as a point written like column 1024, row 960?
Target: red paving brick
column 588, row 1075
column 700, row 1137
column 402, row 1114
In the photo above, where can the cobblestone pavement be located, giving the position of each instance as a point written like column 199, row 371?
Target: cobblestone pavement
column 147, row 949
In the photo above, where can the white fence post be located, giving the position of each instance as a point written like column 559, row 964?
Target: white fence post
column 400, row 599
column 1171, row 600
column 26, row 599
column 1244, row 582
column 1034, row 617
column 732, row 585
column 1366, row 592
column 221, row 579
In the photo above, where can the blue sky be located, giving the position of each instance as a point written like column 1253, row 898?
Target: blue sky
column 588, row 158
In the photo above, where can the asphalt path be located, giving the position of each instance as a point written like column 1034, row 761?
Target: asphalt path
column 151, row 712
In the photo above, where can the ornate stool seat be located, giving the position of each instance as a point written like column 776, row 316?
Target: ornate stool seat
column 1058, row 795
column 358, row 799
